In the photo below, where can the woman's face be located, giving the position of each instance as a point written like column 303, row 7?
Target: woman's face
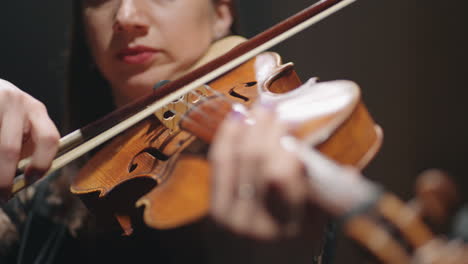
column 137, row 43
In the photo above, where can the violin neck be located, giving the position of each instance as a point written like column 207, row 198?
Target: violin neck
column 337, row 188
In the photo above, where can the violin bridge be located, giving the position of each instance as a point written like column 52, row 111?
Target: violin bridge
column 171, row 114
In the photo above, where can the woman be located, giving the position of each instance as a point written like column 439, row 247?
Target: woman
column 128, row 46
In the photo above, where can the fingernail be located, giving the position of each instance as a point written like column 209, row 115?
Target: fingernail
column 236, row 116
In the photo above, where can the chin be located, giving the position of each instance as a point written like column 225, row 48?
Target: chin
column 130, row 90
column 150, row 77
column 139, row 84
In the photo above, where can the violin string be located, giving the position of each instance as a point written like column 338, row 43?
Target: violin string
column 219, row 94
column 193, row 122
column 205, row 114
column 201, row 127
column 232, row 103
column 207, row 102
column 212, row 103
column 195, row 108
column 216, row 93
column 205, row 99
column 225, row 98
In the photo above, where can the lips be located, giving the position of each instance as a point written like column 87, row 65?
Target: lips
column 136, row 55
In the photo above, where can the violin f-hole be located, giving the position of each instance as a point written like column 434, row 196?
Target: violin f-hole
column 233, row 93
column 250, row 84
column 154, row 153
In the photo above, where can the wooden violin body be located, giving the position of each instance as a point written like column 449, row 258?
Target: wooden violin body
column 161, row 165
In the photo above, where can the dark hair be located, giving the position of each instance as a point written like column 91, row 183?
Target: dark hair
column 88, row 95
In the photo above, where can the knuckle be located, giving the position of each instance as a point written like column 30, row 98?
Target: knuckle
column 7, row 86
column 5, row 83
column 10, row 151
column 251, row 152
column 38, row 105
column 10, row 95
column 278, row 173
column 5, row 93
column 273, row 174
column 13, row 96
column 50, row 138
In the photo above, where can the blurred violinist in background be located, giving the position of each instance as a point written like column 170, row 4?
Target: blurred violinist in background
column 120, row 49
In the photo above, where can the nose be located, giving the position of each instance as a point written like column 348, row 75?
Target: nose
column 130, row 18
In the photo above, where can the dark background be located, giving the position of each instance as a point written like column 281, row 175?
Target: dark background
column 409, row 57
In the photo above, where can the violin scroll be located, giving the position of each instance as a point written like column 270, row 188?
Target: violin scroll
column 437, row 196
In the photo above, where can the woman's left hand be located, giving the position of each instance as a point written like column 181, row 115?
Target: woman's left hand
column 259, row 188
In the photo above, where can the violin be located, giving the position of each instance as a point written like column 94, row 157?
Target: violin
column 164, row 152
column 160, row 150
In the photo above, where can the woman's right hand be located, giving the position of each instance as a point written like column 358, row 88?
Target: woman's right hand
column 25, row 130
